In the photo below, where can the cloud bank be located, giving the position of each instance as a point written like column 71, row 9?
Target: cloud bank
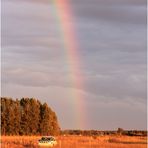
column 111, row 36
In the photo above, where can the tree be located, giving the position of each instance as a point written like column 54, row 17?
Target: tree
column 17, row 117
column 120, row 131
column 54, row 124
column 27, row 117
column 34, row 115
column 45, row 124
column 3, row 116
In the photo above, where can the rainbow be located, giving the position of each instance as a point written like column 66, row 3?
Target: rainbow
column 64, row 14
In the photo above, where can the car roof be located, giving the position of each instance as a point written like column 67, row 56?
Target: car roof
column 47, row 137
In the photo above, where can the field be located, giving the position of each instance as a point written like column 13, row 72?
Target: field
column 77, row 142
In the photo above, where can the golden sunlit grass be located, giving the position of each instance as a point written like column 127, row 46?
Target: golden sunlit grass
column 77, row 142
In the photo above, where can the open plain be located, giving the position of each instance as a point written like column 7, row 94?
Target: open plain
column 112, row 141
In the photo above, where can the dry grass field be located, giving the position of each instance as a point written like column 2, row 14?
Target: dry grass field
column 77, row 142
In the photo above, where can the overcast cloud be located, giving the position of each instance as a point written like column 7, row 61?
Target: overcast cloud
column 111, row 35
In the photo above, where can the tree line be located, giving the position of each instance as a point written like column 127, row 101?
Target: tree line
column 27, row 116
column 119, row 131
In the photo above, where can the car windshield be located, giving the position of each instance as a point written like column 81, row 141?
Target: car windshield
column 43, row 138
column 47, row 138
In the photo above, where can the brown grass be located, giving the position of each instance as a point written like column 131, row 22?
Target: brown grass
column 77, row 142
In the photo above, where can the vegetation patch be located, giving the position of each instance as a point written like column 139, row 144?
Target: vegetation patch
column 27, row 116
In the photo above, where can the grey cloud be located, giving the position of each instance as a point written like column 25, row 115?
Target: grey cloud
column 121, row 12
column 121, row 86
column 112, row 48
column 28, row 22
column 121, row 113
column 117, row 113
column 26, row 76
column 111, row 2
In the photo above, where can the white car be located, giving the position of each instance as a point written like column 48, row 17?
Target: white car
column 47, row 141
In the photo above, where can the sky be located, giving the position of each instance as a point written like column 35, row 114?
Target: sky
column 111, row 46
